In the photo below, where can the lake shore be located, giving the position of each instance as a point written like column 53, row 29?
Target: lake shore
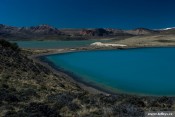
column 48, row 87
column 39, row 58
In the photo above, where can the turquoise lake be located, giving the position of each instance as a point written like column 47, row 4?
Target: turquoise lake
column 145, row 71
column 56, row 44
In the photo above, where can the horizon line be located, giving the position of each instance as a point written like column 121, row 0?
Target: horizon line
column 42, row 24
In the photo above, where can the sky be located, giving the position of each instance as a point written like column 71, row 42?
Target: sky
column 122, row 14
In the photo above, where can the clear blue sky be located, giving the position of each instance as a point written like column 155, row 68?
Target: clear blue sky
column 125, row 14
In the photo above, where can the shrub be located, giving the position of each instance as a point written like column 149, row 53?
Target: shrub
column 40, row 109
column 7, row 44
column 73, row 107
column 62, row 98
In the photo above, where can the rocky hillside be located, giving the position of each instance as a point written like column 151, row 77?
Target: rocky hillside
column 142, row 31
column 109, row 32
column 45, row 32
column 28, row 89
column 104, row 32
column 25, row 33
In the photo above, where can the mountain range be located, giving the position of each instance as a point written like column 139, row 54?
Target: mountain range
column 45, row 32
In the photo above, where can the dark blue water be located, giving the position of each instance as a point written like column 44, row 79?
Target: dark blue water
column 146, row 71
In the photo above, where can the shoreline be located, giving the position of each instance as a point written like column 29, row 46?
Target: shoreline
column 68, row 75
column 76, row 79
column 40, row 58
column 94, row 89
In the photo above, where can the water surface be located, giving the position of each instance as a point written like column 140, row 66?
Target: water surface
column 56, row 44
column 146, row 71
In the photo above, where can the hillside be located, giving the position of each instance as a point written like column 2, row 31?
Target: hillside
column 28, row 89
column 46, row 32
column 142, row 31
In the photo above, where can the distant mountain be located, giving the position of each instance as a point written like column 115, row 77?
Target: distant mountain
column 45, row 32
column 102, row 32
column 142, row 31
column 168, row 31
column 41, row 29
column 167, row 28
column 9, row 32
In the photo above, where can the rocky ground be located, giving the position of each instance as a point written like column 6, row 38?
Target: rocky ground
column 28, row 89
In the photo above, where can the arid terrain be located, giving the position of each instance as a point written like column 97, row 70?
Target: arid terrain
column 149, row 41
column 28, row 88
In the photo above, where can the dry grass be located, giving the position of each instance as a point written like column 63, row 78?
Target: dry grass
column 155, row 40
